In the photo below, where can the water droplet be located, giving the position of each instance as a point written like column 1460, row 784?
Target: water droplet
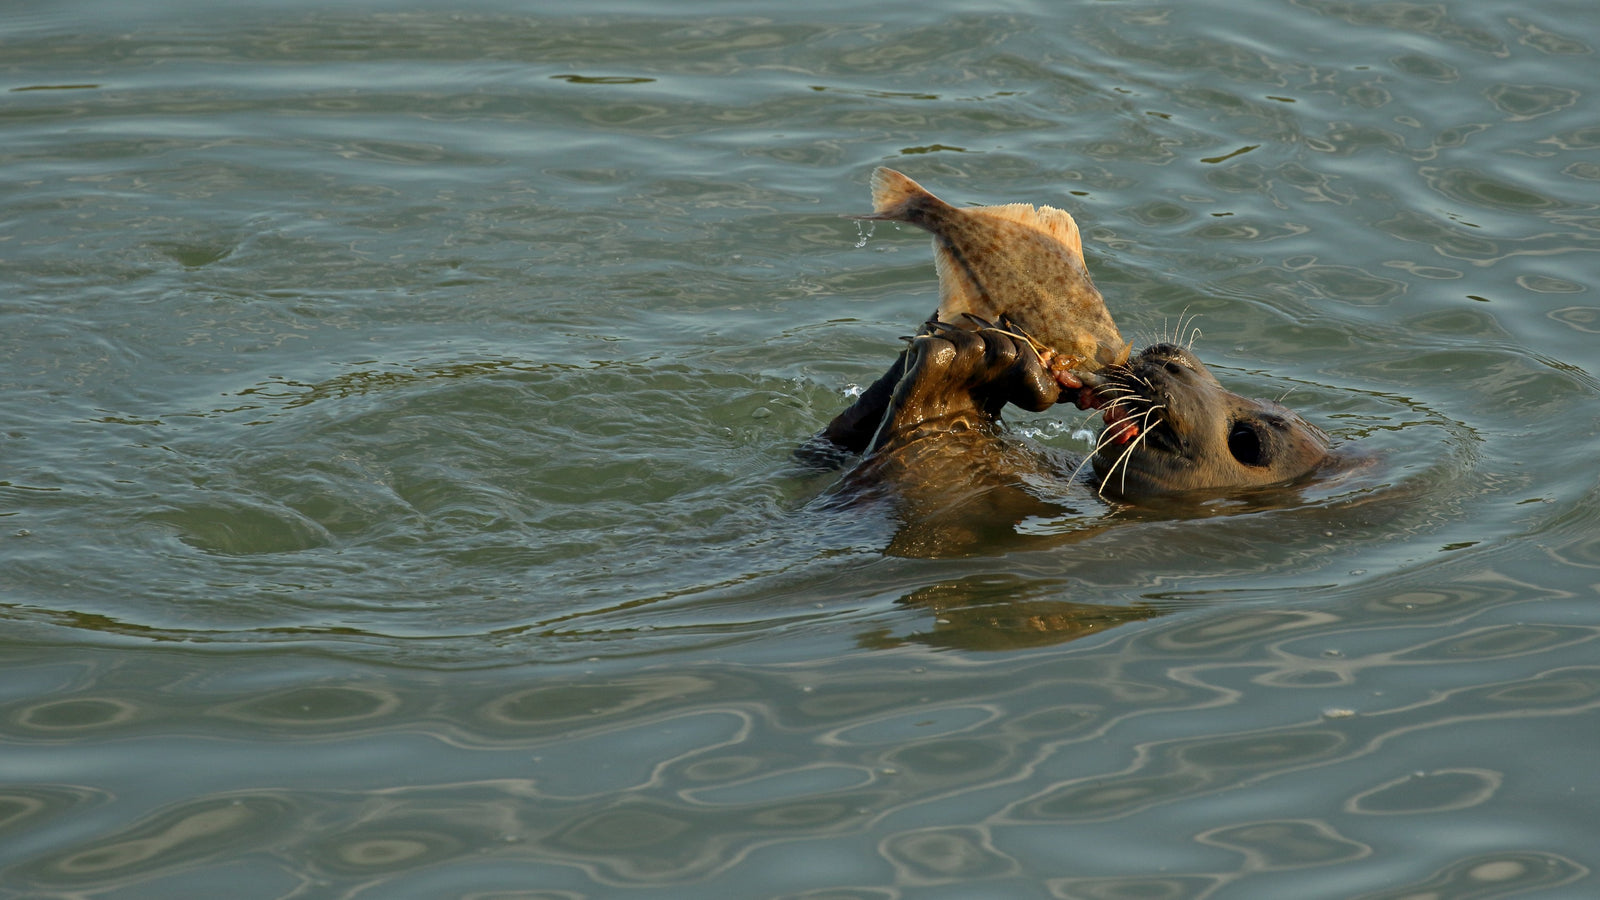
column 863, row 232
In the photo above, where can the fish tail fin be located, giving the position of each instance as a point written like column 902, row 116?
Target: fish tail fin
column 897, row 198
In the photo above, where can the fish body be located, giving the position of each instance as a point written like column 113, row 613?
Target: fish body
column 1016, row 262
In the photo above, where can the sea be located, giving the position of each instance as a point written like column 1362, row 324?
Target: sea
column 398, row 402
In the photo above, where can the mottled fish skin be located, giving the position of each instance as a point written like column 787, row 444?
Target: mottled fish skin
column 1016, row 261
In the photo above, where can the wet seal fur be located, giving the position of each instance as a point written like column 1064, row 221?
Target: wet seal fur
column 926, row 438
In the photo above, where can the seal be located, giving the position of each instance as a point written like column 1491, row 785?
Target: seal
column 1172, row 428
column 933, row 420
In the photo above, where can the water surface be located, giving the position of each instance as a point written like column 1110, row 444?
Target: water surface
column 398, row 501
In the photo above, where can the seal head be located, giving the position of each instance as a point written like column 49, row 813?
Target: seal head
column 1174, row 429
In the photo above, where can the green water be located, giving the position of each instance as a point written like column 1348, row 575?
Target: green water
column 396, row 496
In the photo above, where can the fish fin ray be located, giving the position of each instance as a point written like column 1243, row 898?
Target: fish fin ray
column 897, row 198
column 1057, row 223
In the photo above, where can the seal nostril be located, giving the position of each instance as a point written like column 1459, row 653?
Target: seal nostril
column 1174, row 369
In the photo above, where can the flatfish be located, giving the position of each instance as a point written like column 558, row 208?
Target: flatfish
column 1016, row 266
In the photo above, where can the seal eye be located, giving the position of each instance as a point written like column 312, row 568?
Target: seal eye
column 1244, row 442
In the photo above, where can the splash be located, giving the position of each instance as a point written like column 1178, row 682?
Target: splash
column 863, row 232
column 1048, row 429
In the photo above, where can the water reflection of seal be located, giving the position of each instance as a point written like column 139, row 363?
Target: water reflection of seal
column 931, row 423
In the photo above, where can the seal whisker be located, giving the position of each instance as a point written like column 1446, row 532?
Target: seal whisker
column 1123, row 485
column 1184, row 334
column 1105, row 439
column 1171, row 331
column 1122, row 461
column 1126, row 458
column 1109, row 436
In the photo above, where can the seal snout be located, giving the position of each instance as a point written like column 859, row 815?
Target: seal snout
column 1146, row 396
column 1162, row 361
